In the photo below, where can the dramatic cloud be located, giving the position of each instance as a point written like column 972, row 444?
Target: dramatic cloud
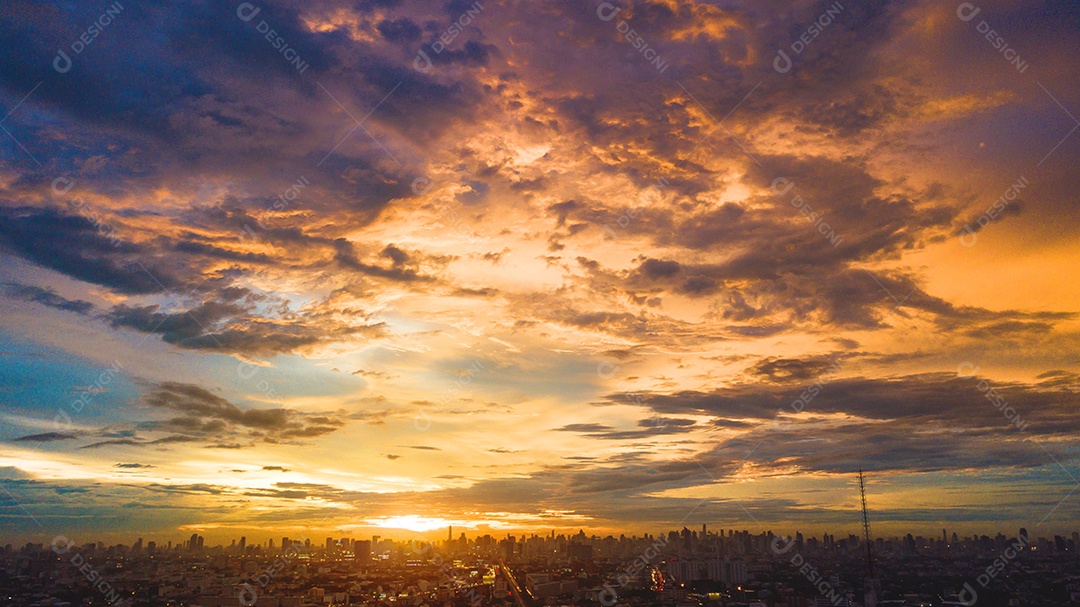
column 48, row 297
column 554, row 276
column 46, row 437
column 204, row 414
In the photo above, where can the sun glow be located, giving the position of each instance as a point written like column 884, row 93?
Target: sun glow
column 419, row 524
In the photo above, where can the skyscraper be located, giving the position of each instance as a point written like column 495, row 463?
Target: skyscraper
column 362, row 550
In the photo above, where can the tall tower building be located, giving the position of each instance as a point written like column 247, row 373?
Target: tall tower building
column 362, row 550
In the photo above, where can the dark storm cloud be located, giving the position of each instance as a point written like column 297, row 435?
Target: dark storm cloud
column 657, row 426
column 236, row 325
column 424, row 105
column 92, row 90
column 757, row 286
column 199, row 416
column 107, row 83
column 945, row 401
column 230, row 113
column 203, row 413
column 346, row 256
column 895, row 446
column 199, row 329
column 230, row 105
column 656, row 268
column 75, row 246
column 46, row 437
column 399, row 30
column 48, row 297
column 139, row 442
column 780, row 259
column 790, row 369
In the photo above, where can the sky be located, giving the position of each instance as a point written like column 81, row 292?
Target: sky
column 384, row 266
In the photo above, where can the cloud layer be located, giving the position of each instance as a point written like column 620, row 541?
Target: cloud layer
column 443, row 258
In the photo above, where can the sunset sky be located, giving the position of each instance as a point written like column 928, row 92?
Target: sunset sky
column 321, row 267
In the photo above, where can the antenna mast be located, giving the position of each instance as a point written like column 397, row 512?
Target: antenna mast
column 866, row 525
column 871, row 590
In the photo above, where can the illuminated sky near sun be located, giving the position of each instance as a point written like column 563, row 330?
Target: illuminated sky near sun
column 520, row 265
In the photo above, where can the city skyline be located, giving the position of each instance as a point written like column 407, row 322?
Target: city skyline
column 324, row 268
column 694, row 567
column 197, row 541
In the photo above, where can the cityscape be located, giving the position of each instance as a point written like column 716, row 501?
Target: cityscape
column 539, row 303
column 704, row 567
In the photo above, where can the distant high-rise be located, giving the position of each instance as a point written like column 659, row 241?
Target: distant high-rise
column 580, row 553
column 362, row 550
column 243, row 542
